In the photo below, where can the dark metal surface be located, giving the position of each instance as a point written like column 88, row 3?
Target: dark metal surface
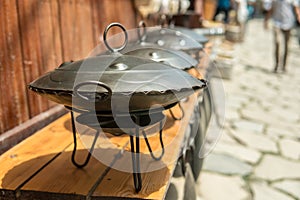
column 169, row 38
column 86, row 161
column 135, row 84
column 108, row 90
column 177, row 59
column 189, row 32
column 118, row 125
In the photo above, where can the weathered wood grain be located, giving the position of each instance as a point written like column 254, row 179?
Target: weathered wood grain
column 38, row 35
column 16, row 167
column 32, row 60
column 14, row 102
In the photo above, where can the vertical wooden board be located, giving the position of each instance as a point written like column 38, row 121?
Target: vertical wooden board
column 103, row 13
column 68, row 29
column 5, row 72
column 13, row 85
column 56, row 34
column 76, row 28
column 109, row 14
column 32, row 62
column 126, row 13
column 3, row 119
column 96, row 9
column 48, row 22
column 106, row 12
column 85, row 33
column 26, row 158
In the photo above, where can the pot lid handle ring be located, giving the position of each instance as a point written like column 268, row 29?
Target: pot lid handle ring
column 142, row 37
column 97, row 83
column 114, row 50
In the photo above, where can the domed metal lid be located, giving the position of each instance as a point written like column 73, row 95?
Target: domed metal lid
column 177, row 59
column 196, row 36
column 103, row 82
column 113, row 70
column 168, row 38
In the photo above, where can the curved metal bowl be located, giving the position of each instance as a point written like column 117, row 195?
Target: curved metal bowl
column 116, row 83
column 118, row 126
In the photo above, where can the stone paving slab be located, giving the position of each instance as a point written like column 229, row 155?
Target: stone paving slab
column 261, row 191
column 290, row 149
column 247, row 125
column 257, row 155
column 289, row 186
column 226, row 164
column 275, row 167
column 287, row 129
column 256, row 141
column 239, row 151
column 220, row 187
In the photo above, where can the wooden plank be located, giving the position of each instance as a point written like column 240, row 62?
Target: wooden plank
column 116, row 11
column 30, row 41
column 28, row 169
column 84, row 18
column 67, row 179
column 15, row 135
column 104, row 13
column 118, row 185
column 109, row 13
column 14, row 105
column 3, row 111
column 17, row 165
column 155, row 183
column 76, row 25
column 68, row 21
column 41, row 26
column 98, row 28
column 126, row 8
column 62, row 177
column 50, row 38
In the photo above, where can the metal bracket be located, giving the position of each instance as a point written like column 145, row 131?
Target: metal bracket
column 182, row 113
column 75, row 146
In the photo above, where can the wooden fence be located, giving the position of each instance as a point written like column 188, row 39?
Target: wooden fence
column 37, row 35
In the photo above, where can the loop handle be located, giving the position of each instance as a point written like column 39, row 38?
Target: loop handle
column 98, row 83
column 142, row 37
column 163, row 21
column 114, row 50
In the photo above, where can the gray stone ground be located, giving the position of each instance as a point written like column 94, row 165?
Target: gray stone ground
column 257, row 156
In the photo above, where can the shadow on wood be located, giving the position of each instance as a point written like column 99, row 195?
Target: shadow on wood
column 60, row 179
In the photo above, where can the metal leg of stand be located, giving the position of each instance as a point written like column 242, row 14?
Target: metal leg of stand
column 182, row 113
column 75, row 146
column 161, row 143
column 137, row 179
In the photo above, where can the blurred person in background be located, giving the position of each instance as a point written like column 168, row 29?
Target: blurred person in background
column 242, row 15
column 223, row 6
column 266, row 11
column 284, row 14
column 251, row 8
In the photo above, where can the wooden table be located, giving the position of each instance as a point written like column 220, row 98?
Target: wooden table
column 40, row 167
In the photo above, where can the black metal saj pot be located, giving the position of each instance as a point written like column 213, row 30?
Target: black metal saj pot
column 118, row 93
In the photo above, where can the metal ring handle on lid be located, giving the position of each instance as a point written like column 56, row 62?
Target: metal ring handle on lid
column 98, row 83
column 105, row 35
column 163, row 21
column 142, row 37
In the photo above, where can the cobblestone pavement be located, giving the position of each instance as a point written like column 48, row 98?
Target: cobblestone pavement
column 258, row 153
